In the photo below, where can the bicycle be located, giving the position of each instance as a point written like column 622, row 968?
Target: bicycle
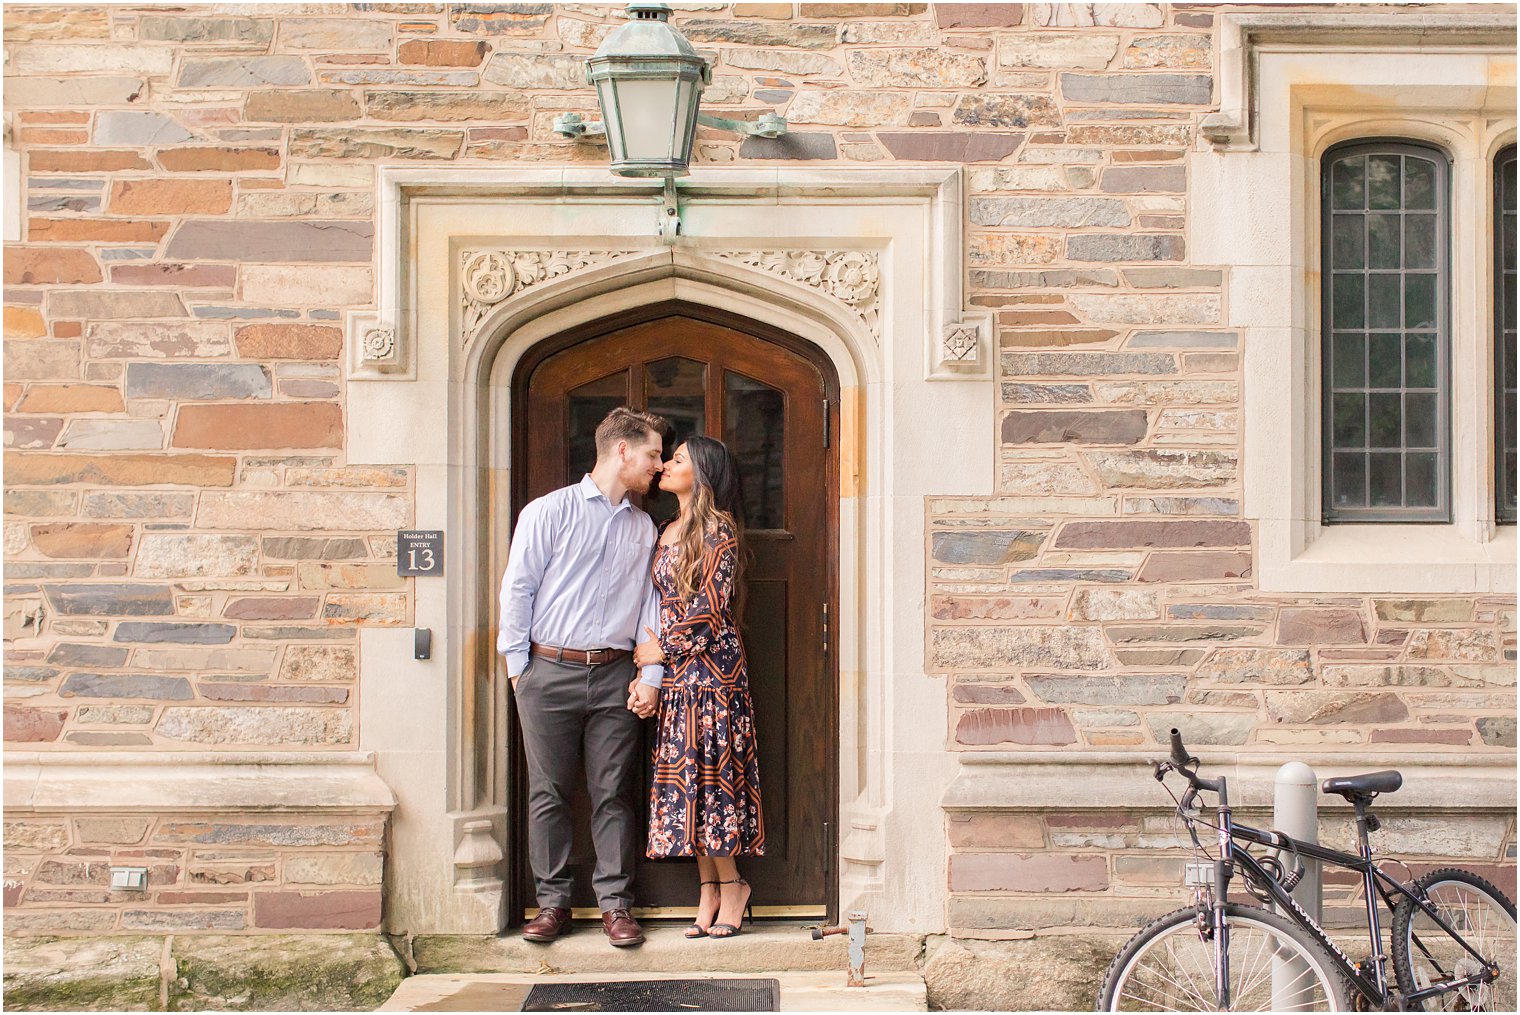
column 1453, row 933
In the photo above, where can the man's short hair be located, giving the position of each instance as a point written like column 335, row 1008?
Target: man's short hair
column 625, row 424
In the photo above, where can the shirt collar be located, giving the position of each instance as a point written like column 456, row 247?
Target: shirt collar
column 590, row 491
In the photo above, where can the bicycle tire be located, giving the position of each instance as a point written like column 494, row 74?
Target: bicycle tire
column 1123, row 990
column 1413, row 968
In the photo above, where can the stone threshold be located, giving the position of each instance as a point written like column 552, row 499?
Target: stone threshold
column 800, row 991
column 57, row 782
column 767, row 945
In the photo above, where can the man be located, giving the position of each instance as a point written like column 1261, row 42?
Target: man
column 574, row 601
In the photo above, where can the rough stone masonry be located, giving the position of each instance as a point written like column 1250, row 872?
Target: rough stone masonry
column 189, row 554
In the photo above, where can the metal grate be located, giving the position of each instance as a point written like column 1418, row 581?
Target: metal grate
column 656, row 995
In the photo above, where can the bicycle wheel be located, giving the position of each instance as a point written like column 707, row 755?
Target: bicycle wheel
column 1274, row 966
column 1424, row 954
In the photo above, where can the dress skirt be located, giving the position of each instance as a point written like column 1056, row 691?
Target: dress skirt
column 705, row 795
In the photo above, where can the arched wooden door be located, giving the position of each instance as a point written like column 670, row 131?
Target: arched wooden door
column 772, row 404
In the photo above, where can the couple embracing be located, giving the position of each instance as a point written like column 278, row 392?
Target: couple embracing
column 607, row 621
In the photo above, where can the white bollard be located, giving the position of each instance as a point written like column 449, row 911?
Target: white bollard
column 1295, row 803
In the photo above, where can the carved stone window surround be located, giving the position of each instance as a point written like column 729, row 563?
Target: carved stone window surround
column 1242, row 37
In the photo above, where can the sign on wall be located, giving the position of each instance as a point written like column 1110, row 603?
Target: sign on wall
column 419, row 552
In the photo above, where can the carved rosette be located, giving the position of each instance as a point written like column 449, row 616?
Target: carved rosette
column 487, row 277
column 379, row 345
column 853, row 277
column 376, row 348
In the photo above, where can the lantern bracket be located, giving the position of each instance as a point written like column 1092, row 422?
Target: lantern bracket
column 575, row 125
column 768, row 125
column 669, row 225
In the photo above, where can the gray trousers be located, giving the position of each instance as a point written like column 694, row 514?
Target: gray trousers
column 569, row 713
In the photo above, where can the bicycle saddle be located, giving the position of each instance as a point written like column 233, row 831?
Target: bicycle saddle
column 1365, row 786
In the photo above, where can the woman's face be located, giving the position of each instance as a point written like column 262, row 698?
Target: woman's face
column 677, row 477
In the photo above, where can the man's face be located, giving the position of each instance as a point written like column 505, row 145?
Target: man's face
column 641, row 463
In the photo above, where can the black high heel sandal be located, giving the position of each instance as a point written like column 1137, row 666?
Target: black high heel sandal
column 748, row 915
column 701, row 931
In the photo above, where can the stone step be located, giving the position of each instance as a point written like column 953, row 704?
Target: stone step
column 800, row 991
column 785, row 946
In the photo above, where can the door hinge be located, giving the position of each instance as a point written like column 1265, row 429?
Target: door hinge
column 825, row 422
column 825, row 628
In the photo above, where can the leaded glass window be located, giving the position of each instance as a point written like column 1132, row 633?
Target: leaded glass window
column 1386, row 431
column 1504, row 333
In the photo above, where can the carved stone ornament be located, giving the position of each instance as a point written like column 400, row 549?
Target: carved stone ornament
column 964, row 348
column 379, row 345
column 853, row 277
column 489, row 276
column 961, row 342
column 376, row 348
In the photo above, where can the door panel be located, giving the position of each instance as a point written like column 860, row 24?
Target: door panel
column 767, row 402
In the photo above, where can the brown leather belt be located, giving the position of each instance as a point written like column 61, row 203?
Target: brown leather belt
column 595, row 657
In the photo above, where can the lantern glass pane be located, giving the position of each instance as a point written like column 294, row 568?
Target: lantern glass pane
column 649, row 117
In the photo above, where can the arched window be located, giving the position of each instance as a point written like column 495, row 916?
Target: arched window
column 1385, row 342
column 1504, row 334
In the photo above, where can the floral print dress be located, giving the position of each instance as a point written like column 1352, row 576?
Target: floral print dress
column 705, row 797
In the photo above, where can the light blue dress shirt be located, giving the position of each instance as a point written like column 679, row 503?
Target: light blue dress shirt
column 578, row 577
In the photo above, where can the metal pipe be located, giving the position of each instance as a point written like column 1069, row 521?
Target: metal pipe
column 857, row 929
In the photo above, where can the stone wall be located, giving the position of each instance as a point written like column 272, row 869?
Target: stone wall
column 221, row 872
column 189, row 554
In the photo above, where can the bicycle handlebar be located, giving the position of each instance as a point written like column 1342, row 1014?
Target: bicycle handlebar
column 1187, row 764
column 1180, row 756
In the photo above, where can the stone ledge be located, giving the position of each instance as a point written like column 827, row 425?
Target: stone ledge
column 768, row 946
column 328, row 972
column 1084, row 780
column 138, row 782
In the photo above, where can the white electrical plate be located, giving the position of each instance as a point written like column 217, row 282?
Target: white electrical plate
column 129, row 879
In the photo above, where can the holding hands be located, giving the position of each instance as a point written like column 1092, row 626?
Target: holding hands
column 643, row 700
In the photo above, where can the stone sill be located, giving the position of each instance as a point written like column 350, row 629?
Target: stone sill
column 129, row 782
column 1109, row 780
column 1392, row 559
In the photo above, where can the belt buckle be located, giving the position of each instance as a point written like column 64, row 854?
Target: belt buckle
column 596, row 656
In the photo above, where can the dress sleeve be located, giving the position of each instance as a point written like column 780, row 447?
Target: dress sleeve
column 705, row 614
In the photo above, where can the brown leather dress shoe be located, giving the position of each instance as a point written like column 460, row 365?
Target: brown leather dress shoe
column 620, row 926
column 550, row 923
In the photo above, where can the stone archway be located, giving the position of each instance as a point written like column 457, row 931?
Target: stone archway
column 623, row 289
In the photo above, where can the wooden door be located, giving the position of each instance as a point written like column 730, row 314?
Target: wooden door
column 771, row 404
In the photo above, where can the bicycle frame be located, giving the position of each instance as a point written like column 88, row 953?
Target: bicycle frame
column 1375, row 883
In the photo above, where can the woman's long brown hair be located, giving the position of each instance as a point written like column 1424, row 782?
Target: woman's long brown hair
column 716, row 498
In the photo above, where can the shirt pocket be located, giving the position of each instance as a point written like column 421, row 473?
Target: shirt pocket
column 634, row 552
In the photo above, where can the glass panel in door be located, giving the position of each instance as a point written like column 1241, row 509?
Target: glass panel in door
column 754, row 428
column 675, row 388
column 586, row 406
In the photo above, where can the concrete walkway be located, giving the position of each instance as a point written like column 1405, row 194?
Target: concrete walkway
column 800, row 991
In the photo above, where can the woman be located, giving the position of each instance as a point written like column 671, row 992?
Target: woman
column 705, row 799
